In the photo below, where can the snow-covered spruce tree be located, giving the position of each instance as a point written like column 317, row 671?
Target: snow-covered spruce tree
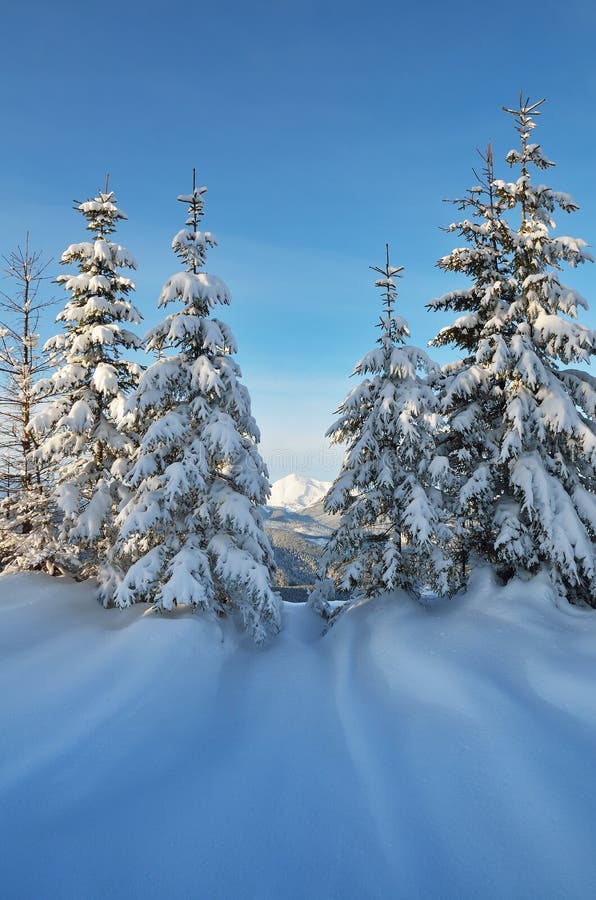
column 471, row 397
column 191, row 532
column 27, row 530
column 79, row 427
column 390, row 527
column 521, row 438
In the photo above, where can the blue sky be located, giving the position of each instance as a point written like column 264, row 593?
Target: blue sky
column 322, row 129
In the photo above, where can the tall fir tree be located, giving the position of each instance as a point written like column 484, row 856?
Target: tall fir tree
column 470, row 398
column 192, row 532
column 79, row 427
column 390, row 525
column 520, row 447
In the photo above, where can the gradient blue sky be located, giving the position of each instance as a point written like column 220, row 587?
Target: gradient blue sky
column 322, row 129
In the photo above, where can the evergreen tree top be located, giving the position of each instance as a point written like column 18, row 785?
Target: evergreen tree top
column 195, row 201
column 101, row 212
column 524, row 125
column 514, row 265
column 537, row 202
column 394, row 328
column 189, row 244
column 386, row 282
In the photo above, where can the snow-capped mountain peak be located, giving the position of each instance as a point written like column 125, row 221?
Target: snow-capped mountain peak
column 297, row 492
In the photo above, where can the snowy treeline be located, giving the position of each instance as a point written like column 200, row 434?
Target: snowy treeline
column 493, row 458
column 150, row 478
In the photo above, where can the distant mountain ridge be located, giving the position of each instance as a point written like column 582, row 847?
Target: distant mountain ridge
column 298, row 528
column 297, row 492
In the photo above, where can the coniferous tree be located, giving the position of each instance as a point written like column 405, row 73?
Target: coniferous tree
column 79, row 427
column 191, row 532
column 391, row 525
column 471, row 399
column 27, row 530
column 520, row 447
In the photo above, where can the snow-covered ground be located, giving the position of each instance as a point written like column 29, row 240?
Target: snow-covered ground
column 444, row 752
column 297, row 492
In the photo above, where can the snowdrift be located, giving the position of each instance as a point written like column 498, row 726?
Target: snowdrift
column 443, row 752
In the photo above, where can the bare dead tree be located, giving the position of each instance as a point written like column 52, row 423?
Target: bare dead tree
column 23, row 479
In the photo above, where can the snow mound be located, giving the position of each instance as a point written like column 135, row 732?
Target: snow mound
column 297, row 492
column 444, row 751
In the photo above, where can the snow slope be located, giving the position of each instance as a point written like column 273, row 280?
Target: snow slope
column 296, row 492
column 412, row 752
